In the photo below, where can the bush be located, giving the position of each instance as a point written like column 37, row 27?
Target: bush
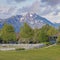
column 58, row 40
column 18, row 49
column 47, row 43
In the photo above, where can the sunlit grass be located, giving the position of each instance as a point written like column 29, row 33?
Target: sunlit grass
column 51, row 53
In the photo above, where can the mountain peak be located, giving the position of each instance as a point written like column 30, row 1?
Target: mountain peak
column 33, row 19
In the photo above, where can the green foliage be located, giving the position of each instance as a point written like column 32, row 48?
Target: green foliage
column 19, row 49
column 52, row 31
column 7, row 33
column 46, row 28
column 58, row 40
column 26, row 32
column 59, row 29
column 43, row 32
column 0, row 35
column 50, row 53
column 40, row 35
column 43, row 36
column 47, row 43
column 37, row 35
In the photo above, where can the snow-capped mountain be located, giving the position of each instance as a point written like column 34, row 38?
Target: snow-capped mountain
column 34, row 20
column 15, row 21
column 37, row 21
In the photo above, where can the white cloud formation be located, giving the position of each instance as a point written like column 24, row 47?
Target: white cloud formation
column 49, row 9
column 53, row 18
column 51, row 2
column 15, row 1
column 6, row 12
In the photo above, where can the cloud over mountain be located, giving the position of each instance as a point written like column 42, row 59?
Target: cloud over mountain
column 6, row 12
column 51, row 2
column 20, row 0
column 43, row 7
column 46, row 8
column 15, row 1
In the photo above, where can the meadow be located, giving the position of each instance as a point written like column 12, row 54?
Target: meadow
column 51, row 53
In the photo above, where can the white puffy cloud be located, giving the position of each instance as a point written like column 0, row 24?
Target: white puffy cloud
column 53, row 18
column 51, row 2
column 49, row 9
column 19, row 1
column 6, row 12
column 15, row 1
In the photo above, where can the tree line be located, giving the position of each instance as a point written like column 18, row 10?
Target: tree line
column 27, row 34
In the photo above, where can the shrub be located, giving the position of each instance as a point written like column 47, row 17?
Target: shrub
column 58, row 40
column 18, row 49
column 47, row 43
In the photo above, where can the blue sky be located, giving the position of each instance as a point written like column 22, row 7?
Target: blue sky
column 49, row 9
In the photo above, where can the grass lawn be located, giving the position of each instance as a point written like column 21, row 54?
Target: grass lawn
column 51, row 53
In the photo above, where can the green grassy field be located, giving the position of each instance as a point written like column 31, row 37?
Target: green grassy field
column 51, row 53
